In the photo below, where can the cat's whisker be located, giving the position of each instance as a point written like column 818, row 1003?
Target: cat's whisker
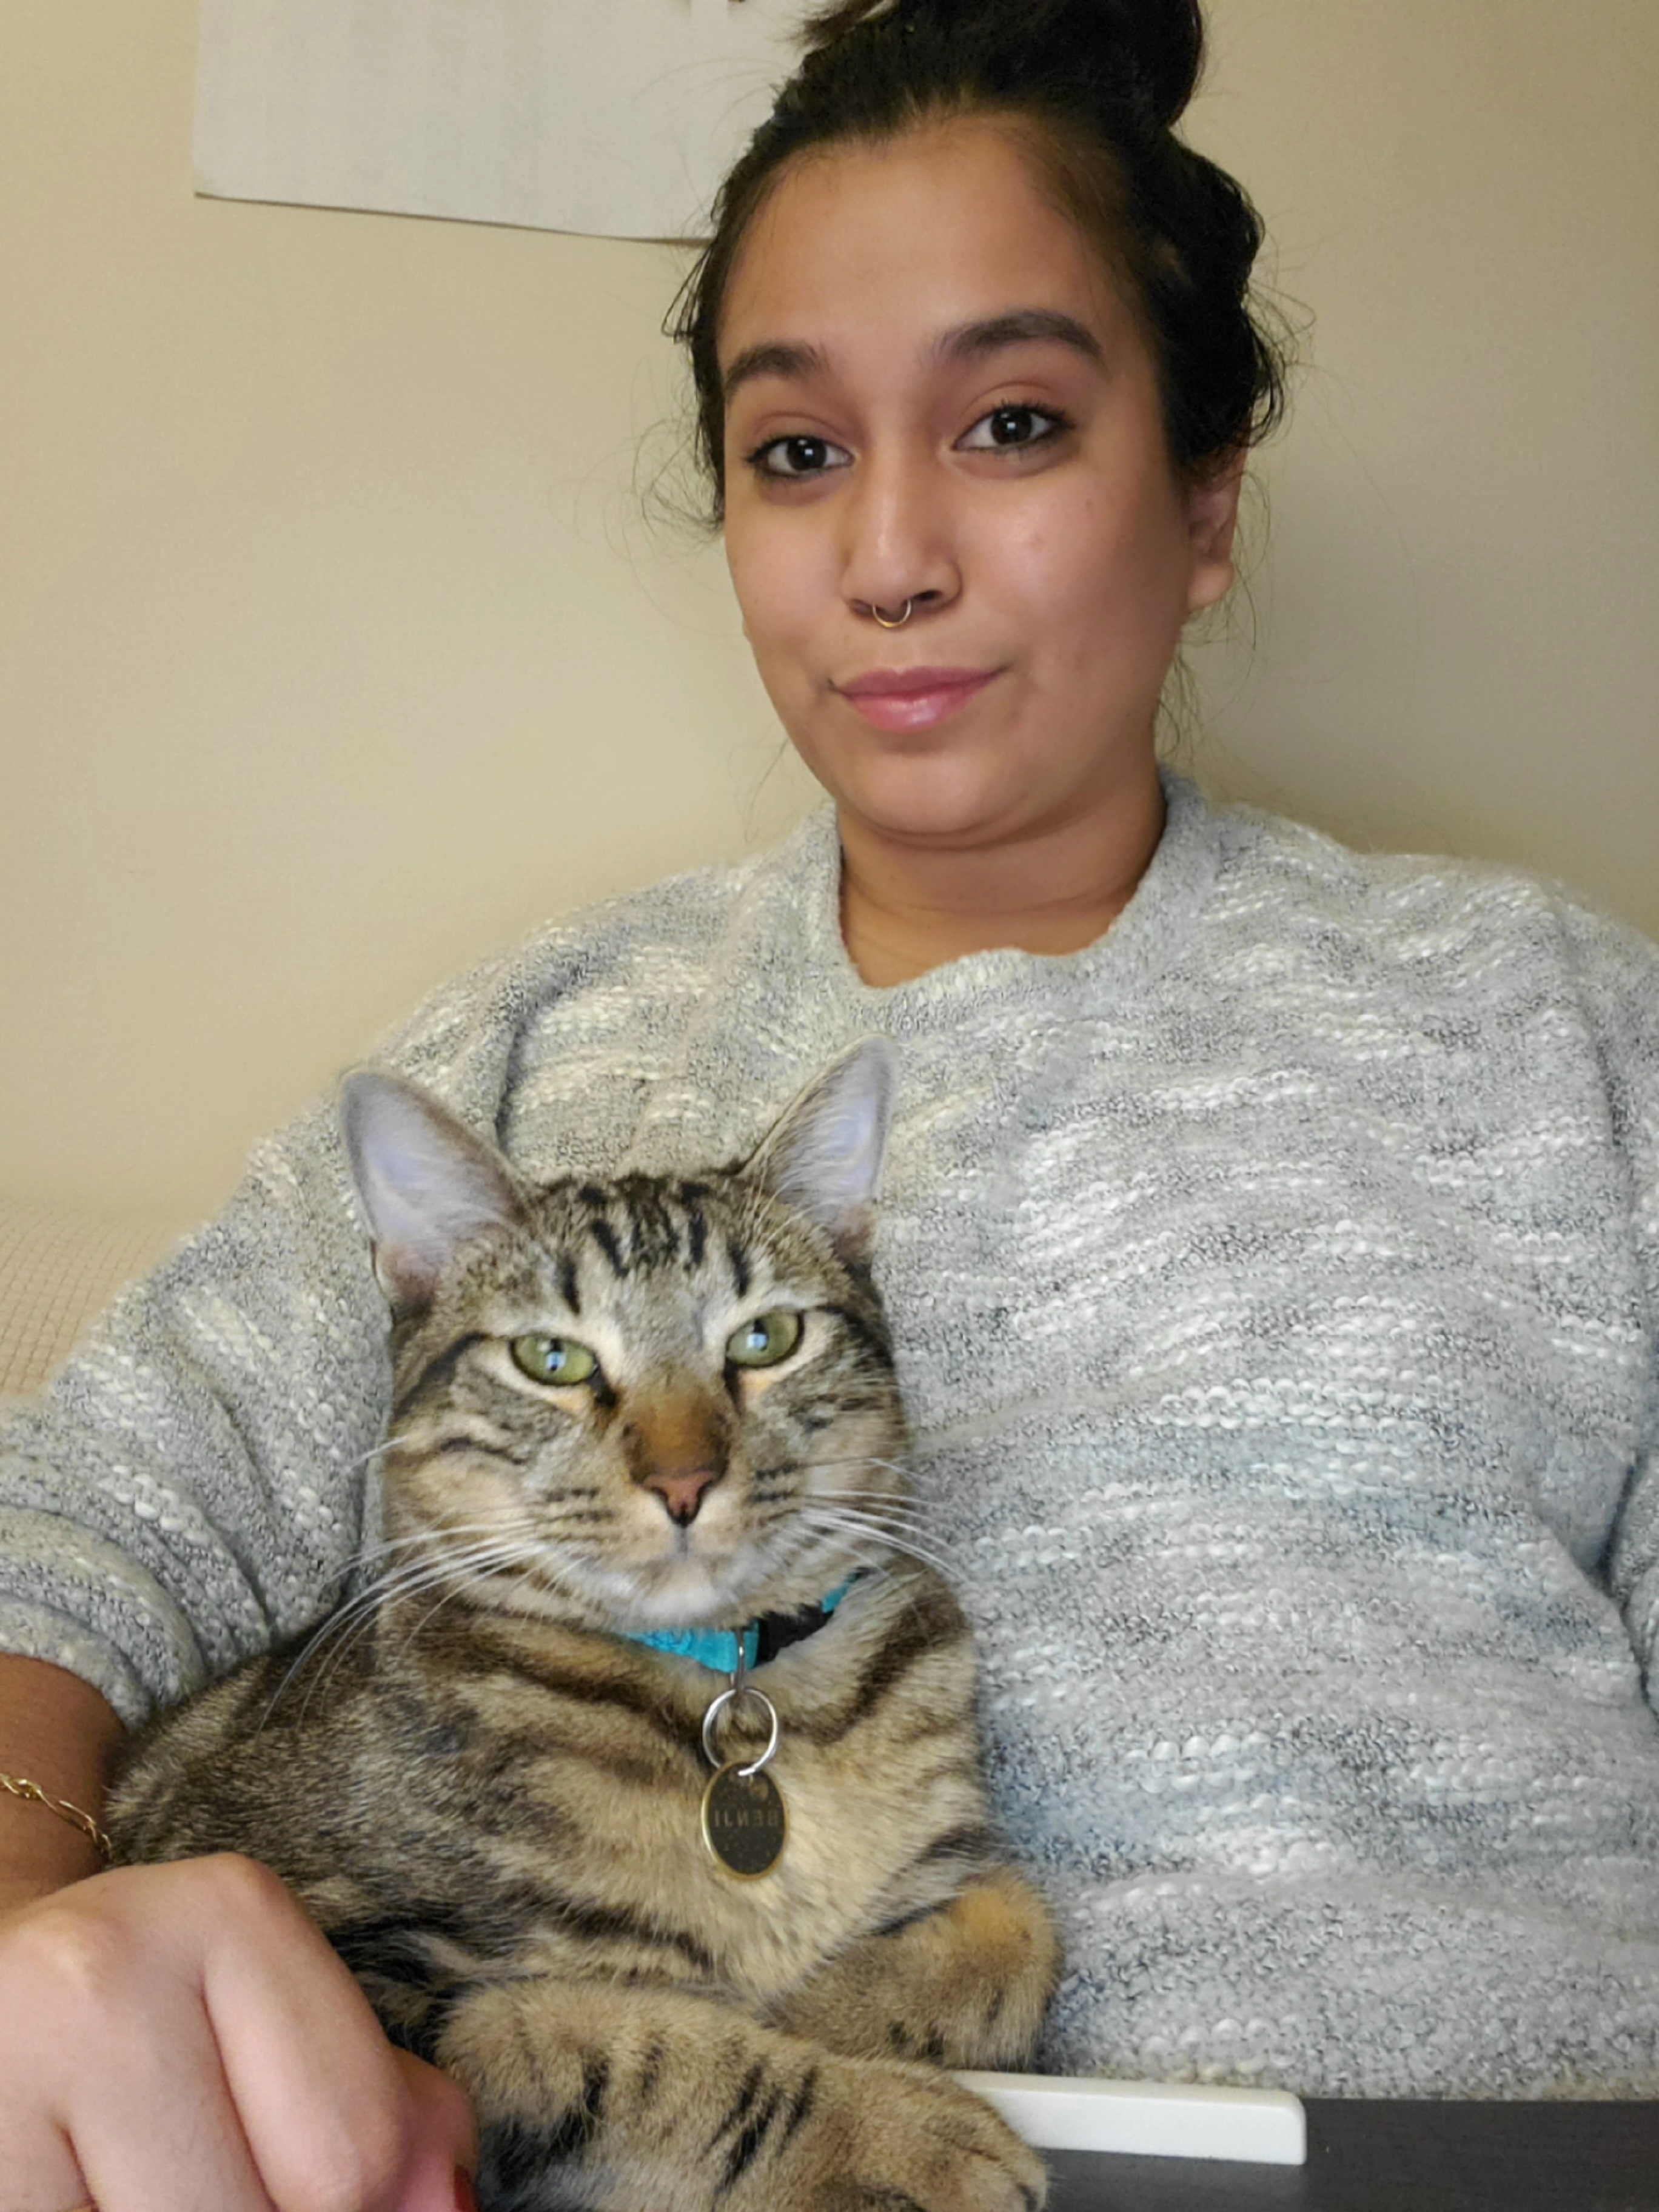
column 423, row 1541
column 862, row 1459
column 828, row 1519
column 387, row 1444
column 903, row 1535
column 428, row 1537
column 782, row 1552
column 856, row 1490
column 344, row 1627
column 512, row 1557
column 439, row 1550
column 477, row 1567
column 863, row 1462
column 891, row 1512
column 867, row 1559
column 894, row 1546
column 453, row 1570
column 876, row 1542
column 877, row 1501
column 331, row 1648
column 817, row 1461
column 365, row 1551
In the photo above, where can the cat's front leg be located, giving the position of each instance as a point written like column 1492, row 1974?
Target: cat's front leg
column 966, row 1985
column 615, row 2098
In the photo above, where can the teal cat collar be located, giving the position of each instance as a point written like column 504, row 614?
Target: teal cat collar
column 719, row 1650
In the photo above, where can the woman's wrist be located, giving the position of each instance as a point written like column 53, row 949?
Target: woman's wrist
column 57, row 1732
column 33, row 1862
column 24, row 1790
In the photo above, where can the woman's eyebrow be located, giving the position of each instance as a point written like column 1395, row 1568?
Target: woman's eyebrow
column 1019, row 326
column 774, row 358
column 968, row 341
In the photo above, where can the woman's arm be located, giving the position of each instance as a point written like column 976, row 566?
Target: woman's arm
column 183, row 2034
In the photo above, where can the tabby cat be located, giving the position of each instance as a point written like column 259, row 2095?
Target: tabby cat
column 626, row 1409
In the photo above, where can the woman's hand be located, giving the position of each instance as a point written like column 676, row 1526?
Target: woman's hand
column 181, row 2038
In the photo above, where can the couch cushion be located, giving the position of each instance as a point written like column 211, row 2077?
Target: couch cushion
column 59, row 1266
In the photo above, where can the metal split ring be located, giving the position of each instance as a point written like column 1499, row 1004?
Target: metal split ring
column 739, row 1689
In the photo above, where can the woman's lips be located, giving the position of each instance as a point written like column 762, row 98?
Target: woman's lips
column 913, row 698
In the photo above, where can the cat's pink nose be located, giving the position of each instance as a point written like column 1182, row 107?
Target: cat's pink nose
column 681, row 1493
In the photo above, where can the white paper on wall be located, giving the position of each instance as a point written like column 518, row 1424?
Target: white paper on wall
column 614, row 117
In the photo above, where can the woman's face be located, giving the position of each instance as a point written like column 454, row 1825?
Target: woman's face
column 936, row 393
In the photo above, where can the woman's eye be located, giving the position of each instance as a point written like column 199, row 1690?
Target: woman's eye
column 1007, row 427
column 763, row 1341
column 798, row 456
column 555, row 1359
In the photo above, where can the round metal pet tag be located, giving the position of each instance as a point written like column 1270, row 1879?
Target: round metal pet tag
column 744, row 1821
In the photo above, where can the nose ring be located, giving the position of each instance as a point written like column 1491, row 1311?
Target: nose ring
column 893, row 621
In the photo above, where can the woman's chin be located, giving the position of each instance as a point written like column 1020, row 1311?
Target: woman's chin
column 918, row 799
column 962, row 799
column 950, row 818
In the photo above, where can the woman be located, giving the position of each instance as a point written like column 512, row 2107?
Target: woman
column 1272, row 1236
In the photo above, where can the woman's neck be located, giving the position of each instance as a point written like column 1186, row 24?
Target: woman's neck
column 906, row 907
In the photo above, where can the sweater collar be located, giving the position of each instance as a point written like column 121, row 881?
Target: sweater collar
column 803, row 875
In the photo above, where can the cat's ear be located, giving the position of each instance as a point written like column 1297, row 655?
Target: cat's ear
column 823, row 1155
column 427, row 1183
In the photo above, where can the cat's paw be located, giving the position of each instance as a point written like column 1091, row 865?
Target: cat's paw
column 965, row 1985
column 906, row 2139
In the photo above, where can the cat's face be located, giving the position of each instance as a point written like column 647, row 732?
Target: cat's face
column 645, row 1403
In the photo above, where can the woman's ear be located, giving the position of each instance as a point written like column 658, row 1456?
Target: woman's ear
column 1212, row 524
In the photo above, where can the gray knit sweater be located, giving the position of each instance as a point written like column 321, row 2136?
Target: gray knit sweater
column 1276, row 1286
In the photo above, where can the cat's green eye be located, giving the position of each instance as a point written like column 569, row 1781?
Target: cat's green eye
column 554, row 1359
column 763, row 1341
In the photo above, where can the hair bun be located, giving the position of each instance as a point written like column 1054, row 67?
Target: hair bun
column 1163, row 40
column 1148, row 53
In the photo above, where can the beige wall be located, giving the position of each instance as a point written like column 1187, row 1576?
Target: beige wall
column 1459, row 645
column 333, row 652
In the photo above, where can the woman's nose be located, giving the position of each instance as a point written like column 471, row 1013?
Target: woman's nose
column 900, row 551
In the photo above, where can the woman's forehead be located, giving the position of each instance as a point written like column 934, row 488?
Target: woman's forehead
column 906, row 243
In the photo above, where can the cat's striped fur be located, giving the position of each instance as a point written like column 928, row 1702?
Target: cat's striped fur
column 489, row 1801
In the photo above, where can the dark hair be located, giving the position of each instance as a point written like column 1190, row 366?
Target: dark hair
column 1093, row 88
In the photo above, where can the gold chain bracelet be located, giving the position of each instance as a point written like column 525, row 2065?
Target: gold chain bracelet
column 19, row 1785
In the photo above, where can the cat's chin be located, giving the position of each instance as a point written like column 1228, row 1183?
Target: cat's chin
column 684, row 1593
column 729, row 1594
column 698, row 1594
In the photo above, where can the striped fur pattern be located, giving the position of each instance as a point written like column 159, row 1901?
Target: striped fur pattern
column 489, row 1801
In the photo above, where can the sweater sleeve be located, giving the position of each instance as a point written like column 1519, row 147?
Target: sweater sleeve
column 1619, row 974
column 191, row 1486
